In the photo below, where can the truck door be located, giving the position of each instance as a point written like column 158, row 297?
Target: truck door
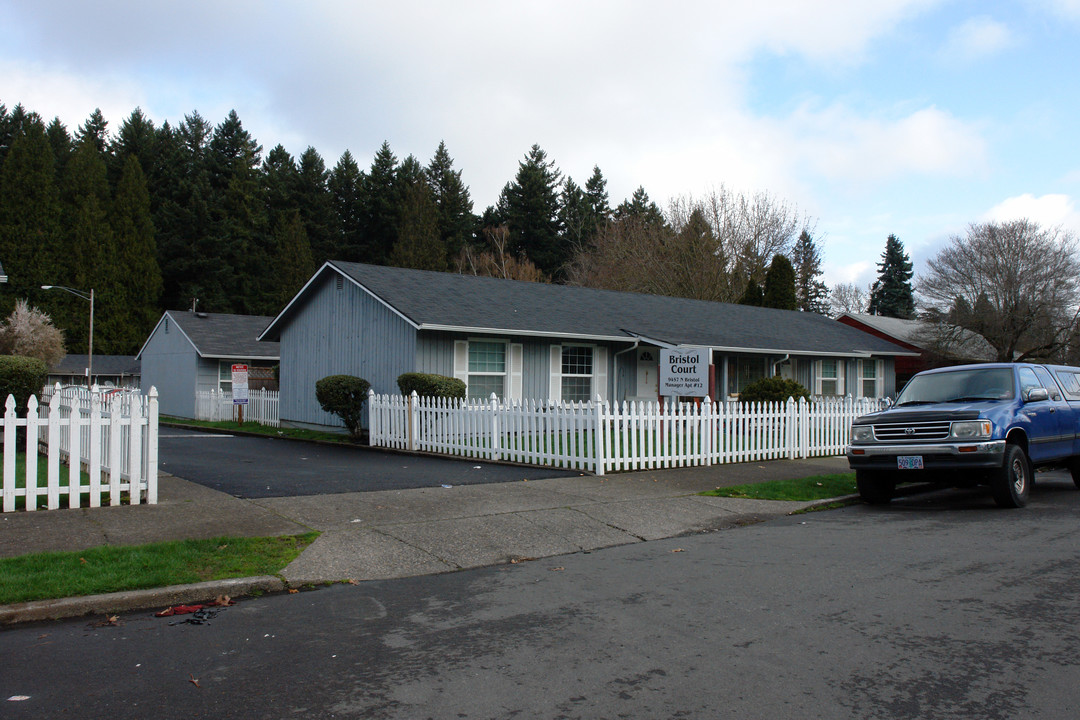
column 1045, row 441
column 1065, row 415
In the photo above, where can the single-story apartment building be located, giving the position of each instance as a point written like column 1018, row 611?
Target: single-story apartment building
column 928, row 348
column 190, row 351
column 523, row 340
column 109, row 371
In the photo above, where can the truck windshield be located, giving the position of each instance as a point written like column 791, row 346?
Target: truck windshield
column 958, row 386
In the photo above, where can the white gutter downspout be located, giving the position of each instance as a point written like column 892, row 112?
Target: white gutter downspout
column 780, row 362
column 615, row 368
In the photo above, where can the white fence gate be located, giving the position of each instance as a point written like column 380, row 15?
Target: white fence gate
column 602, row 437
column 104, row 447
column 217, row 406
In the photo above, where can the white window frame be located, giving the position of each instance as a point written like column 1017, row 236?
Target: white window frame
column 598, row 383
column 512, row 369
column 591, row 375
column 819, row 377
column 879, row 377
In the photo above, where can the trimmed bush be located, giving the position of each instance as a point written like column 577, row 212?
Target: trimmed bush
column 344, row 396
column 429, row 385
column 22, row 377
column 773, row 389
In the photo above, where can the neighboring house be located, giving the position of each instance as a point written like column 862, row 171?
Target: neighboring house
column 928, row 350
column 191, row 351
column 109, row 371
column 539, row 341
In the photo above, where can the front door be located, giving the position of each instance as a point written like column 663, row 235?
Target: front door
column 648, row 373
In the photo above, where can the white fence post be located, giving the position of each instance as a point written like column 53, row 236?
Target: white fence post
column 9, row 454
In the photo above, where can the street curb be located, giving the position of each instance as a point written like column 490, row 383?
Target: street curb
column 110, row 603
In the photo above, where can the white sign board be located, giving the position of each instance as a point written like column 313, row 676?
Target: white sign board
column 685, row 372
column 240, row 384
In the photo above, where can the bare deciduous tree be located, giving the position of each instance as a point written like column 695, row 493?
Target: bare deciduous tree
column 708, row 248
column 497, row 260
column 1015, row 283
column 848, row 298
column 29, row 332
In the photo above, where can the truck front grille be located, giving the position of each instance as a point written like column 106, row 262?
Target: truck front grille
column 913, row 432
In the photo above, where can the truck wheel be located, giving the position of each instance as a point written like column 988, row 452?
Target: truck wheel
column 1011, row 483
column 875, row 488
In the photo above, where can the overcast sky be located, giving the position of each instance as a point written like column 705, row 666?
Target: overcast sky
column 913, row 117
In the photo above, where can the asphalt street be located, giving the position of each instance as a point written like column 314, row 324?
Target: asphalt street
column 253, row 467
column 939, row 605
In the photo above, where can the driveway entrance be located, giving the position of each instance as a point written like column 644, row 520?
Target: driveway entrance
column 254, row 467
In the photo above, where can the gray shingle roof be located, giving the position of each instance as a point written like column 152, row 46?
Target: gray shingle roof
column 961, row 343
column 103, row 365
column 226, row 336
column 433, row 300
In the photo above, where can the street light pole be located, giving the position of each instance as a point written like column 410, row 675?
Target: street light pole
column 90, row 348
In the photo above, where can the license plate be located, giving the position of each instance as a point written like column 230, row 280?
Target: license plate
column 909, row 462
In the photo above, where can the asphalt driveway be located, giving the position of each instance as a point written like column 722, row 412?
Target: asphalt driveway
column 254, row 467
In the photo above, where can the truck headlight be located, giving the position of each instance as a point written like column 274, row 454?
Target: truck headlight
column 971, row 429
column 862, row 433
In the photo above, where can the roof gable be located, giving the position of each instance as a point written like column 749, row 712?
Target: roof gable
column 222, row 335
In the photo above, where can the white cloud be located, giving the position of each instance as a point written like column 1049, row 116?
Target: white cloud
column 1048, row 210
column 978, row 38
column 1069, row 9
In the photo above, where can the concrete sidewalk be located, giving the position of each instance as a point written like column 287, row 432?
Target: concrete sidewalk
column 400, row 533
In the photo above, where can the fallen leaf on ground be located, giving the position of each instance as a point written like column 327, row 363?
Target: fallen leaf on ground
column 193, row 680
column 557, row 569
column 678, row 550
column 293, row 591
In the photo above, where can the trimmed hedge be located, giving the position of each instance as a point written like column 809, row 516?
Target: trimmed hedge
column 344, row 396
column 430, row 385
column 773, row 389
column 22, row 377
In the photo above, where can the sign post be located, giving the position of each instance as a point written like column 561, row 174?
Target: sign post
column 240, row 390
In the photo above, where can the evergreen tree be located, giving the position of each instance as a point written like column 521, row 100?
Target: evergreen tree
column 575, row 215
column 780, row 285
column 136, row 136
column 596, row 196
column 281, row 183
column 94, row 131
column 891, row 294
column 531, row 204
column 92, row 258
column 457, row 224
column 810, row 292
column 292, row 261
column 346, row 185
column 752, row 295
column 60, row 142
column 30, row 246
column 380, row 217
column 133, row 227
column 316, row 206
column 417, row 243
column 641, row 207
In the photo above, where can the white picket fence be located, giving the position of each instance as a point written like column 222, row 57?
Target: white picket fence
column 113, row 439
column 634, row 436
column 216, row 406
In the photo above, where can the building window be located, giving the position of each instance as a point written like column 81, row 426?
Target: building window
column 742, row 371
column 487, row 369
column 225, row 376
column 870, row 379
column 830, row 377
column 577, row 373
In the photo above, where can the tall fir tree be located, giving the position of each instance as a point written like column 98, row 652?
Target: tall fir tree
column 639, row 206
column 810, row 292
column 60, row 142
column 133, row 227
column 281, row 184
column 346, row 185
column 30, row 234
column 531, row 205
column 137, row 136
column 457, row 224
column 95, row 131
column 417, row 243
column 892, row 295
column 779, row 291
column 596, row 195
column 292, row 261
column 317, row 206
column 575, row 215
column 380, row 216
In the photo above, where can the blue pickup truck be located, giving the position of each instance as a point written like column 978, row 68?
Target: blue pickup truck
column 971, row 425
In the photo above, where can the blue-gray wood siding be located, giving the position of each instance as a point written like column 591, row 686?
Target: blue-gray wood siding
column 340, row 331
column 169, row 363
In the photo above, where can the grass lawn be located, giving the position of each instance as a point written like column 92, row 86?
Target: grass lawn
column 254, row 427
column 818, row 487
column 44, row 576
column 43, row 480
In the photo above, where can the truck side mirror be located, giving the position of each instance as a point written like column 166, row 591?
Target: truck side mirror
column 1036, row 394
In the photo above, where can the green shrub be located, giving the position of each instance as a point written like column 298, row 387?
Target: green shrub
column 773, row 389
column 344, row 396
column 429, row 385
column 22, row 377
